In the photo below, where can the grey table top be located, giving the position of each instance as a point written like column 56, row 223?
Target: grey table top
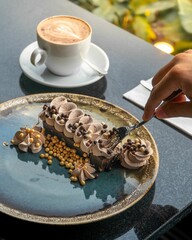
column 131, row 59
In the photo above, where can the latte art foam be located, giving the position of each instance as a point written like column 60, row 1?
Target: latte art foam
column 63, row 30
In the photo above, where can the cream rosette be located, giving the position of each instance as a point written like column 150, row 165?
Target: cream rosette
column 80, row 132
column 91, row 134
column 102, row 148
column 27, row 138
column 135, row 154
column 58, row 101
column 59, row 123
column 86, row 119
column 70, row 128
column 84, row 172
column 66, row 108
column 62, row 119
column 84, row 123
column 49, row 113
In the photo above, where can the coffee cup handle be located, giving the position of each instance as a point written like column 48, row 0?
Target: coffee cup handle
column 38, row 57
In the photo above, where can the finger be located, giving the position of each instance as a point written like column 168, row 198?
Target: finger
column 178, row 59
column 162, row 72
column 173, row 109
column 159, row 92
column 188, row 51
column 164, row 88
column 149, row 107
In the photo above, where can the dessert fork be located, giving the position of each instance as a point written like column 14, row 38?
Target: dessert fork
column 121, row 132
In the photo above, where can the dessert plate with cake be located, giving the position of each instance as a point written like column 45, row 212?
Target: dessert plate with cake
column 87, row 74
column 56, row 149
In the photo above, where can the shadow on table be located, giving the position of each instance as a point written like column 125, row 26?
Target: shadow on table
column 109, row 228
column 136, row 222
column 96, row 89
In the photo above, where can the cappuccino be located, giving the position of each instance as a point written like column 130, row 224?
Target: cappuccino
column 63, row 30
column 63, row 43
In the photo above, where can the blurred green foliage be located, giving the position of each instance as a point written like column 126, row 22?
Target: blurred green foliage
column 151, row 20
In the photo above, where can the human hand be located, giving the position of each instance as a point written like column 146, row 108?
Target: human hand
column 177, row 74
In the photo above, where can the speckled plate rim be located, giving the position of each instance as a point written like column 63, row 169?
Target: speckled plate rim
column 117, row 207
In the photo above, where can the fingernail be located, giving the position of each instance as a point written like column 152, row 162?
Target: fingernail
column 144, row 117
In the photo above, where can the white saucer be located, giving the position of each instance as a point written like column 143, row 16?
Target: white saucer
column 85, row 76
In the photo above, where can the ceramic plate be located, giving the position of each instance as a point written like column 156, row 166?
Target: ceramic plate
column 84, row 77
column 34, row 191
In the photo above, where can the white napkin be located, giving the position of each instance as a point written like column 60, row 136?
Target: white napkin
column 139, row 96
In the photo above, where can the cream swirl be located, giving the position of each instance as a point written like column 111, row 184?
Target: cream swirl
column 58, row 101
column 89, row 136
column 29, row 138
column 63, row 120
column 135, row 153
column 83, row 172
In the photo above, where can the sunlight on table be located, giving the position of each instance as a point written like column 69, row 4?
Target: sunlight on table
column 164, row 46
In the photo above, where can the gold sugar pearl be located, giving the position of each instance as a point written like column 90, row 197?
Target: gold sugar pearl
column 84, row 154
column 50, row 152
column 137, row 140
column 60, row 158
column 66, row 155
column 47, row 149
column 50, row 161
column 76, row 145
column 32, row 130
column 21, row 135
column 48, row 136
column 28, row 130
column 37, row 136
column 72, row 167
column 37, row 144
column 62, row 163
column 87, row 160
column 42, row 155
column 31, row 140
column 142, row 149
column 82, row 182
column 70, row 171
column 68, row 165
column 74, row 178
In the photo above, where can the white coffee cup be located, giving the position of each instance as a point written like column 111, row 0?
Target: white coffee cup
column 63, row 43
